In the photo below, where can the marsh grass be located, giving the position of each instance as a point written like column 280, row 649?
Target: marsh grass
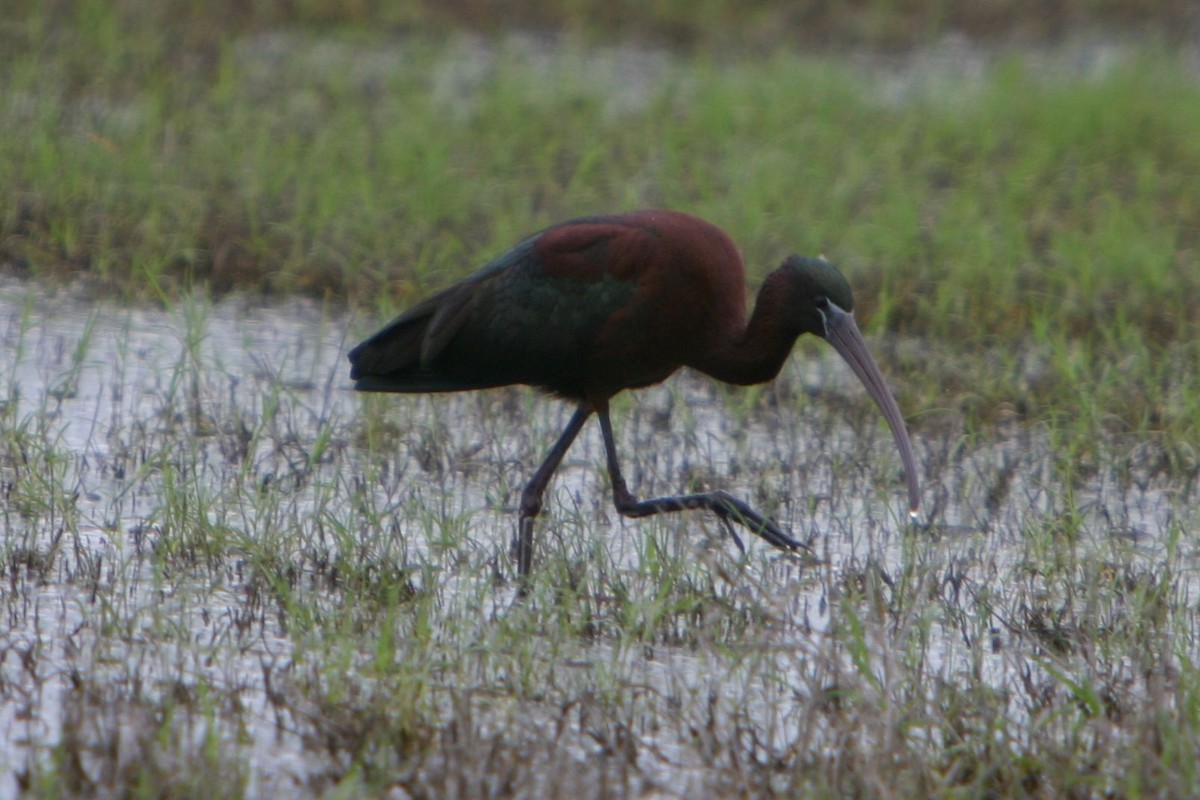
column 234, row 574
column 1042, row 213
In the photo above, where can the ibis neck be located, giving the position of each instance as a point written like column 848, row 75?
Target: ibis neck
column 757, row 352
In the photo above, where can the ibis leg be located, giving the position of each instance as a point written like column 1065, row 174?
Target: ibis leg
column 727, row 507
column 531, row 497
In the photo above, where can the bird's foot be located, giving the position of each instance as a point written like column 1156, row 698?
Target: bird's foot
column 730, row 510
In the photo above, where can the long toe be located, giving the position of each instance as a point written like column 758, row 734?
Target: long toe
column 735, row 510
column 778, row 537
column 729, row 529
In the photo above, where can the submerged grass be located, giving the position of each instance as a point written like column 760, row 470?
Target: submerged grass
column 228, row 575
column 220, row 575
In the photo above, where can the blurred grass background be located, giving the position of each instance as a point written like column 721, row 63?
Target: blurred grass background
column 1000, row 178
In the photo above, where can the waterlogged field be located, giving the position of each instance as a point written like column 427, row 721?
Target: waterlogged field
column 223, row 573
column 222, row 569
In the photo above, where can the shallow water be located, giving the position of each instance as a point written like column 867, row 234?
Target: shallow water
column 101, row 401
column 135, row 437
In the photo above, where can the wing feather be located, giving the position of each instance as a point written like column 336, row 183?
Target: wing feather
column 535, row 315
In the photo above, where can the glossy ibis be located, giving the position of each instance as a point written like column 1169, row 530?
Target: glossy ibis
column 595, row 305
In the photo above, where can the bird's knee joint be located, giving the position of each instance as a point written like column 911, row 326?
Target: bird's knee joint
column 531, row 504
column 624, row 501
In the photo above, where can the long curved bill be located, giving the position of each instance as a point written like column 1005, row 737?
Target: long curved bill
column 842, row 332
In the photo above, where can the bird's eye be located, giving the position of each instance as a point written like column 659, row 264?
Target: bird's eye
column 822, row 303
